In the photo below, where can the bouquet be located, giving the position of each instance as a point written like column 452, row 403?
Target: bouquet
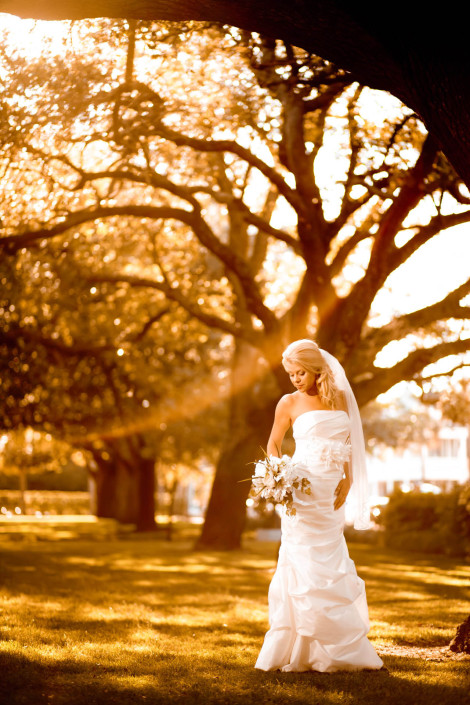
column 275, row 479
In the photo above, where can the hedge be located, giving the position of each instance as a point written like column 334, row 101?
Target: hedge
column 428, row 522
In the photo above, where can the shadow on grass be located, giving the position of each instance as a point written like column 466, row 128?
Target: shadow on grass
column 217, row 682
column 140, row 572
column 130, row 622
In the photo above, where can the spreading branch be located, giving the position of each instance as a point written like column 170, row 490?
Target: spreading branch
column 382, row 379
column 194, row 219
column 401, row 326
column 173, row 293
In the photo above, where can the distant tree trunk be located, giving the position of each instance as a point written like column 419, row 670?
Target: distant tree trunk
column 104, row 489
column 146, row 511
column 116, row 491
column 125, row 488
column 23, row 482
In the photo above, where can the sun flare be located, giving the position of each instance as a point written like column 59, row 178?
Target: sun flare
column 34, row 37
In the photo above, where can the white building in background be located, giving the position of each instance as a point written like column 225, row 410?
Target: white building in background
column 437, row 465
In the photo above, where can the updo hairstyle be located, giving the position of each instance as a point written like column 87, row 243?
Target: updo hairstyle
column 307, row 355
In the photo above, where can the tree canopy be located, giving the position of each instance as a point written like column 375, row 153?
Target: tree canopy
column 114, row 152
column 421, row 57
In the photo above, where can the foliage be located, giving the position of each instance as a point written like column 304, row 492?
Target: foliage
column 429, row 523
column 106, row 372
column 455, row 403
column 105, row 368
column 70, row 478
column 32, row 452
column 158, row 149
column 397, row 425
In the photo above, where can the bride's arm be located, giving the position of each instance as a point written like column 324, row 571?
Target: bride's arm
column 282, row 421
column 343, row 487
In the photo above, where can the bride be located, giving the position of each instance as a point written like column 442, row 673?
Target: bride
column 318, row 611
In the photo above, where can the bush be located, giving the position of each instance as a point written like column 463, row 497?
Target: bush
column 70, row 479
column 370, row 536
column 47, row 502
column 427, row 522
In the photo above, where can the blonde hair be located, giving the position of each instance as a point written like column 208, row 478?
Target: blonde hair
column 307, row 354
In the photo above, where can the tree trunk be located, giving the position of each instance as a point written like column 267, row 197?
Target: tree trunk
column 146, row 510
column 103, row 478
column 461, row 641
column 116, row 491
column 251, row 416
column 225, row 516
column 125, row 489
column 23, row 482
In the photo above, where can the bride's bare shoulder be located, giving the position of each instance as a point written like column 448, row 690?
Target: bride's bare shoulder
column 286, row 403
column 287, row 399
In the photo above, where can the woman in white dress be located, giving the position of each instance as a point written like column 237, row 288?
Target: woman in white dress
column 318, row 612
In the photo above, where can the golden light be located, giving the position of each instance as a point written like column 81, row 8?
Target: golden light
column 36, row 36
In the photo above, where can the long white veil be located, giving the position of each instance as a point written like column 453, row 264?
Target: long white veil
column 358, row 498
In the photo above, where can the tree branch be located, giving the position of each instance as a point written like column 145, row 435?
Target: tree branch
column 350, row 205
column 34, row 336
column 410, row 194
column 364, row 291
column 265, row 227
column 192, row 218
column 400, row 327
column 12, row 243
column 325, row 99
column 137, row 337
column 460, row 366
column 173, row 293
column 346, row 248
column 424, row 234
column 152, row 178
column 382, row 379
column 210, row 145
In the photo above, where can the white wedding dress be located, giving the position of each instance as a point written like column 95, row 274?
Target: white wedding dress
column 318, row 611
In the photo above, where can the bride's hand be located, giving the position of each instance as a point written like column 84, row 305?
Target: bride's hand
column 341, row 492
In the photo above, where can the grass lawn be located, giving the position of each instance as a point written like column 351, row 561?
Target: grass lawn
column 142, row 620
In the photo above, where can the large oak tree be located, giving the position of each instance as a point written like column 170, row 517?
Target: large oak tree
column 233, row 167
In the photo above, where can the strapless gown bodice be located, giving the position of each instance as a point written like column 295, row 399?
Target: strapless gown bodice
column 320, row 437
column 321, row 423
column 318, row 610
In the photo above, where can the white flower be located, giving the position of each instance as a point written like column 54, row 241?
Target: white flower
column 260, row 469
column 276, row 479
column 269, row 481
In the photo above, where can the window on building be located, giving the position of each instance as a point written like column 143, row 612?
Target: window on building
column 445, row 448
column 382, row 488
